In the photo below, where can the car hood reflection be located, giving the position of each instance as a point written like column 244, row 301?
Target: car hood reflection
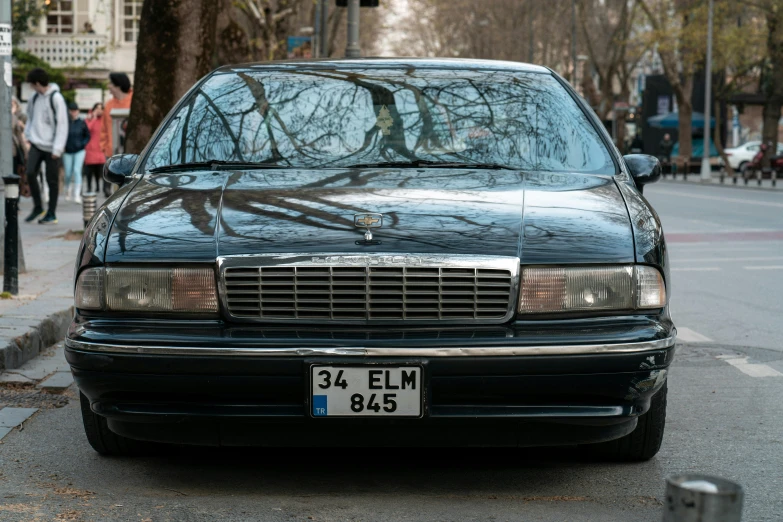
column 540, row 217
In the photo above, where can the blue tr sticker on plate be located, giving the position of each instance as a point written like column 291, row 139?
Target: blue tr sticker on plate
column 319, row 405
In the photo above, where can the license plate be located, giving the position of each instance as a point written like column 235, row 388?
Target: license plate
column 366, row 391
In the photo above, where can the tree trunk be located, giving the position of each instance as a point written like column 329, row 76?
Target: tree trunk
column 774, row 83
column 175, row 49
column 685, row 108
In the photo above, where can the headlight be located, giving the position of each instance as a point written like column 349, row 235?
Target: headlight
column 147, row 289
column 580, row 289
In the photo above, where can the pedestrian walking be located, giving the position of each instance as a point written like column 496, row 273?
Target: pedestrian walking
column 122, row 94
column 637, row 145
column 73, row 160
column 94, row 156
column 665, row 148
column 20, row 146
column 47, row 132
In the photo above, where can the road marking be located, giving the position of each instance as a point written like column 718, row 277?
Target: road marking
column 689, row 336
column 748, row 368
column 728, row 259
column 714, row 237
column 697, row 269
column 721, row 198
column 770, row 267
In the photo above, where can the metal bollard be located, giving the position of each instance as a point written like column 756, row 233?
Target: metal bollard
column 11, row 261
column 702, row 498
column 89, row 206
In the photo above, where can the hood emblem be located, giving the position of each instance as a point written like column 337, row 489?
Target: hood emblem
column 368, row 221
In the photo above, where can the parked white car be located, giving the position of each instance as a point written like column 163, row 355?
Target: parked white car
column 739, row 156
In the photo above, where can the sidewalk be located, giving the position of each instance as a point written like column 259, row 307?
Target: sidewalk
column 695, row 179
column 39, row 316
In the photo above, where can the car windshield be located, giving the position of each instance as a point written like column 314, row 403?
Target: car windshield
column 323, row 118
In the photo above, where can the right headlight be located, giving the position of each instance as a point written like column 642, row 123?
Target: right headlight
column 599, row 288
column 141, row 289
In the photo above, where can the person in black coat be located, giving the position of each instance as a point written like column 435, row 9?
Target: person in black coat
column 73, row 159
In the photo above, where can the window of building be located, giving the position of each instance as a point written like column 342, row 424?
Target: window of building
column 131, row 12
column 59, row 17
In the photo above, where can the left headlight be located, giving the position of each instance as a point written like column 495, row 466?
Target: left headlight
column 147, row 290
column 582, row 289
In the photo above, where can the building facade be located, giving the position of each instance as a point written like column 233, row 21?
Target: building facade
column 88, row 37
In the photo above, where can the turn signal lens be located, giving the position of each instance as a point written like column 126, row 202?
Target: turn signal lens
column 580, row 289
column 650, row 290
column 161, row 290
column 89, row 289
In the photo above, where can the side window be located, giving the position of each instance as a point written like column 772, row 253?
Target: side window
column 753, row 148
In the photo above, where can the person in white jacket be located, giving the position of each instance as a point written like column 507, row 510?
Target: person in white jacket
column 47, row 132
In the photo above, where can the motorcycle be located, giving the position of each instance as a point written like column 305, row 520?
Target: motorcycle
column 754, row 169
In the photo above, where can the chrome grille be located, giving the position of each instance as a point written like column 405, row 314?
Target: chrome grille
column 369, row 293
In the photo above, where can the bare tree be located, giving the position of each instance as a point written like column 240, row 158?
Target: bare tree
column 176, row 39
column 679, row 40
column 607, row 32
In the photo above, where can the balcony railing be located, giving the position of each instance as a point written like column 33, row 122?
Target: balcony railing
column 78, row 50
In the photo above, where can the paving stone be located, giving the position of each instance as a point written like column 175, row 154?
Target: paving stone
column 12, row 417
column 4, row 431
column 57, row 382
column 14, row 378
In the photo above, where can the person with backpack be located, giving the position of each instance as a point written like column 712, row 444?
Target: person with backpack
column 47, row 132
column 73, row 160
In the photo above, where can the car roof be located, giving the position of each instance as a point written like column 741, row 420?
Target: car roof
column 390, row 63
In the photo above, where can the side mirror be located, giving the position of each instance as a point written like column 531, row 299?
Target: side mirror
column 119, row 168
column 644, row 169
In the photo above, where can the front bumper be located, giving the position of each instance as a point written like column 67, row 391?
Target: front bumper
column 249, row 386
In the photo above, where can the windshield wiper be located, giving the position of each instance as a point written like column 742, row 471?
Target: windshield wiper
column 214, row 165
column 429, row 163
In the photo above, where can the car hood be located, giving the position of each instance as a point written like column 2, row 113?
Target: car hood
column 540, row 217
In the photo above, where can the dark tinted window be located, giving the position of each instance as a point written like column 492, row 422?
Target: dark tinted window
column 336, row 118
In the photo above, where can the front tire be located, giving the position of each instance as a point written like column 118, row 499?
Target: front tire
column 101, row 438
column 644, row 441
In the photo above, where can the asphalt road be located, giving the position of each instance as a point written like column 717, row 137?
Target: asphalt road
column 725, row 417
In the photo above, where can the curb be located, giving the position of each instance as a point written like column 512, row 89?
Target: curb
column 24, row 347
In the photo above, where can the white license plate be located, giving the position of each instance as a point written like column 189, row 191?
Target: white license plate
column 366, row 391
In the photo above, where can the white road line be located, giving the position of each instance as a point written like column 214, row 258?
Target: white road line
column 697, row 269
column 728, row 259
column 689, row 336
column 748, row 368
column 721, row 198
column 770, row 267
column 713, row 248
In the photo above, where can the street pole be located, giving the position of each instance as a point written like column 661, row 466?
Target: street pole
column 317, row 30
column 352, row 49
column 11, row 254
column 6, row 143
column 573, row 42
column 6, row 92
column 706, row 170
column 325, row 28
column 530, row 31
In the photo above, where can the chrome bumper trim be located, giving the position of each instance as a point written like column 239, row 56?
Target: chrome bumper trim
column 473, row 351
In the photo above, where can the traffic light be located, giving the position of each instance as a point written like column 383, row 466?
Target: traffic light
column 362, row 3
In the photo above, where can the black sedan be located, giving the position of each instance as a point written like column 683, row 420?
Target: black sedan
column 376, row 252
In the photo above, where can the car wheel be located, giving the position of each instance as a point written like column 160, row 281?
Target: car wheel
column 102, row 439
column 742, row 167
column 644, row 441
